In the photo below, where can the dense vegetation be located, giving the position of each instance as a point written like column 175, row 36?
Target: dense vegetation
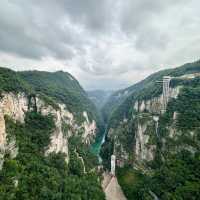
column 32, row 175
column 62, row 87
column 58, row 87
column 119, row 104
column 134, row 184
column 174, row 172
column 176, row 178
column 10, row 81
column 53, row 88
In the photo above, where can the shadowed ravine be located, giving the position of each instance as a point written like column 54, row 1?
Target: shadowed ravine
column 96, row 146
column 110, row 183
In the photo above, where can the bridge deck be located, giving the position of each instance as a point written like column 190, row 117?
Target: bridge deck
column 111, row 188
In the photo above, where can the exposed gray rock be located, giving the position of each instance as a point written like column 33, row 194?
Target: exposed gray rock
column 16, row 105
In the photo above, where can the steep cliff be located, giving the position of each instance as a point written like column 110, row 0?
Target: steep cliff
column 16, row 105
column 39, row 121
column 63, row 88
column 144, row 103
column 155, row 126
column 123, row 98
column 16, row 100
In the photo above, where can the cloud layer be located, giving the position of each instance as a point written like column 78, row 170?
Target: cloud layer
column 106, row 44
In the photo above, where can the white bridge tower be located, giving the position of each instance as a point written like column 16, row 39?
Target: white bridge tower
column 166, row 92
column 113, row 162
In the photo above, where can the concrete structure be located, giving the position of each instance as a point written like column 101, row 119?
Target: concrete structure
column 111, row 188
column 113, row 162
column 166, row 92
column 166, row 87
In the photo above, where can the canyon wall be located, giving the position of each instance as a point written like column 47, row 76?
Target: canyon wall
column 15, row 106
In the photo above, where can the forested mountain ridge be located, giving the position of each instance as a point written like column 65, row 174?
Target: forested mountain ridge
column 61, row 87
column 47, row 123
column 158, row 150
column 119, row 97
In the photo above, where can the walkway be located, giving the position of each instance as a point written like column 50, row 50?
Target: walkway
column 111, row 188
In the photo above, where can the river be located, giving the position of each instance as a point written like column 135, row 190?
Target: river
column 96, row 146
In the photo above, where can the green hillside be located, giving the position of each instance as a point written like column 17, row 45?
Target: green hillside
column 174, row 171
column 117, row 106
column 10, row 81
column 64, row 88
column 33, row 175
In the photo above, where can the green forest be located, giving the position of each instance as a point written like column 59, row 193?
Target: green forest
column 32, row 175
column 174, row 172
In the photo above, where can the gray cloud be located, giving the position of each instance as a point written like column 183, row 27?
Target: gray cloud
column 106, row 42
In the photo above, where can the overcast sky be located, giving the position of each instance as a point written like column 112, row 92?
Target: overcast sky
column 105, row 44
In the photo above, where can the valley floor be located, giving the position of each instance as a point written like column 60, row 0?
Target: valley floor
column 111, row 188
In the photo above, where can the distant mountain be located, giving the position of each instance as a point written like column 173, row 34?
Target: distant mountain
column 99, row 97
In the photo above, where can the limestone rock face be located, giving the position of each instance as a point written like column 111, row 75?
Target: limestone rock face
column 59, row 139
column 2, row 131
column 154, row 105
column 16, row 105
column 90, row 129
column 143, row 151
column 13, row 105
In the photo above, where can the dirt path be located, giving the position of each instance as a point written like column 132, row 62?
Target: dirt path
column 111, row 188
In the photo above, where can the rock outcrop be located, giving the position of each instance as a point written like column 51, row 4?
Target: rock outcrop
column 145, row 116
column 154, row 105
column 90, row 129
column 59, row 139
column 16, row 105
column 142, row 150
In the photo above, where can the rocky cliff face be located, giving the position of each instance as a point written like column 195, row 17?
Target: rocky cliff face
column 150, row 124
column 90, row 129
column 147, row 125
column 16, row 105
column 142, row 150
column 145, row 120
column 154, row 105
